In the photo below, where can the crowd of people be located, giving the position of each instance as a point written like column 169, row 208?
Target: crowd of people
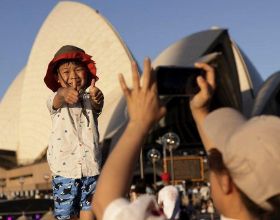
column 184, row 200
column 32, row 194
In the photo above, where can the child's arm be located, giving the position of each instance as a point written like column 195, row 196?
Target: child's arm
column 144, row 110
column 65, row 95
column 97, row 97
column 199, row 104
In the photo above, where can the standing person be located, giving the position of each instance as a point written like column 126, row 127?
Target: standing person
column 243, row 155
column 169, row 198
column 73, row 153
column 204, row 192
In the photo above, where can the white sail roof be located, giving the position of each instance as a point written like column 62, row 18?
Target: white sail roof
column 9, row 114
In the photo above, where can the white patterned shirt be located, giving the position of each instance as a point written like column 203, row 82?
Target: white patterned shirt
column 73, row 149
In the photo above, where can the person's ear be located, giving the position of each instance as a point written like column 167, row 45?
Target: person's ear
column 56, row 77
column 225, row 183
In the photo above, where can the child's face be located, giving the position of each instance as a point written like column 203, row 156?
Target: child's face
column 72, row 74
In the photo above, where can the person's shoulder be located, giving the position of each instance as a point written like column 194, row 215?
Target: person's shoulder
column 139, row 209
column 171, row 187
column 167, row 189
column 50, row 100
column 51, row 96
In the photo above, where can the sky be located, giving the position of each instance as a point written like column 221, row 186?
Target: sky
column 148, row 27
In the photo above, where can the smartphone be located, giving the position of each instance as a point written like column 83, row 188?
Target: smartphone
column 177, row 81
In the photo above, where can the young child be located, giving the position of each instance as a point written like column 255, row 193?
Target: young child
column 73, row 153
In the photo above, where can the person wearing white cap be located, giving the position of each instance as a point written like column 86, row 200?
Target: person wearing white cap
column 169, row 198
column 244, row 156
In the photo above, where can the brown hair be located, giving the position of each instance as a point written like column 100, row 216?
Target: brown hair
column 215, row 161
column 216, row 164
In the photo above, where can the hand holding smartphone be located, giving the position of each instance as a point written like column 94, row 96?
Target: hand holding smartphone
column 177, row 81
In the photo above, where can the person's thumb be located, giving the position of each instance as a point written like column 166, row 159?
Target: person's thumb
column 92, row 84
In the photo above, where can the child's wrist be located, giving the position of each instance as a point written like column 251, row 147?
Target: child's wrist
column 60, row 92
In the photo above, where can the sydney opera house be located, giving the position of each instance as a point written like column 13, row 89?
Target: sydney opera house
column 25, row 122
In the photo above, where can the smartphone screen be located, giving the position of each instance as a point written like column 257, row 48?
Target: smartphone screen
column 177, row 81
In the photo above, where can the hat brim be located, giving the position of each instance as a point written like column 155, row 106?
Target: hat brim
column 221, row 124
column 50, row 78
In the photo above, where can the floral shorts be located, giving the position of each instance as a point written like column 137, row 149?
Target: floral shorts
column 72, row 195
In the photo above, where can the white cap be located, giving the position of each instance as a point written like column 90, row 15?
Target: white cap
column 251, row 151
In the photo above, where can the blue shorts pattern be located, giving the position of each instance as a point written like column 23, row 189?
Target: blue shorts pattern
column 72, row 195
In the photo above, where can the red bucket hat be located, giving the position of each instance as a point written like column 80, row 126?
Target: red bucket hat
column 69, row 52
